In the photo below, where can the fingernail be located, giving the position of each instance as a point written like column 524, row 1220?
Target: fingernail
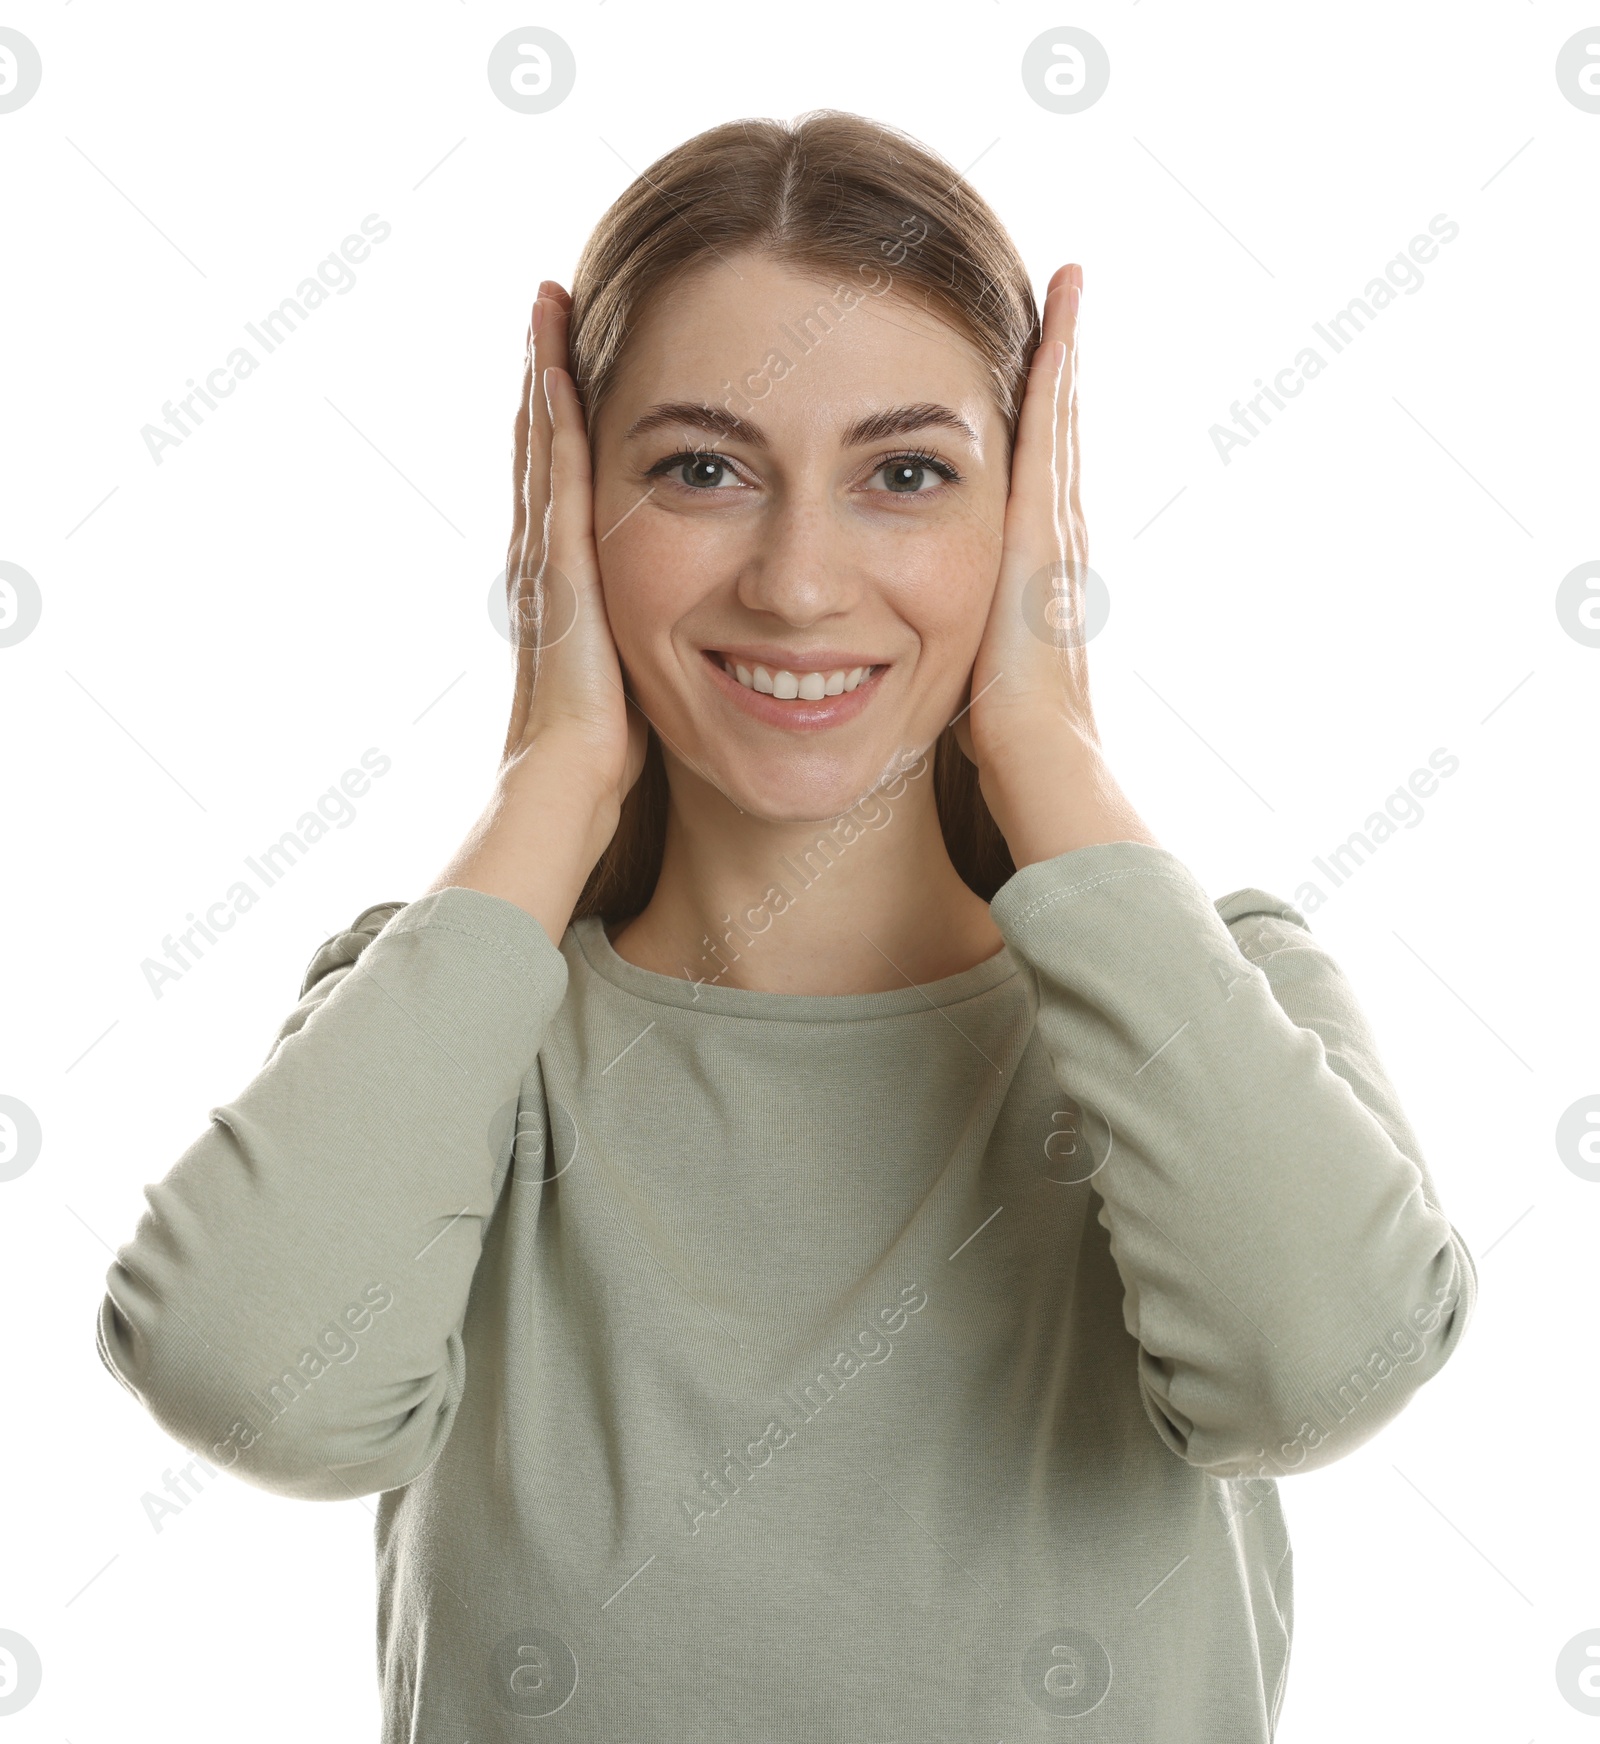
column 1075, row 276
column 1072, row 300
column 549, row 288
column 537, row 319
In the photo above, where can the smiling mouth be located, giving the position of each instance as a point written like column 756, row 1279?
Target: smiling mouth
column 787, row 686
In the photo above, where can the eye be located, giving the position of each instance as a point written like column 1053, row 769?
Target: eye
column 915, row 474
column 695, row 469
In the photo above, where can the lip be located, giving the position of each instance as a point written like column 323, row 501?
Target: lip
column 795, row 660
column 795, row 716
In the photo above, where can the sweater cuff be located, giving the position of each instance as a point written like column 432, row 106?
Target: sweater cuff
column 1116, row 871
column 508, row 931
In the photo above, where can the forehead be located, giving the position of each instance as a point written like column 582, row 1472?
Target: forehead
column 807, row 348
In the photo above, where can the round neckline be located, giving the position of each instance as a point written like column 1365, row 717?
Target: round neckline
column 603, row 958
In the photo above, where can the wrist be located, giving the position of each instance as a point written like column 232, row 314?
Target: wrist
column 547, row 822
column 562, row 787
column 1057, row 795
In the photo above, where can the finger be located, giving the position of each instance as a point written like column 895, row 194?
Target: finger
column 571, row 514
column 1074, row 453
column 519, row 449
column 1067, row 445
column 539, row 419
column 527, row 483
column 1032, row 493
column 550, row 351
column 526, row 560
column 557, row 319
column 525, row 555
column 531, row 458
column 1068, row 290
column 548, row 346
column 1060, row 325
column 1068, row 285
column 518, row 581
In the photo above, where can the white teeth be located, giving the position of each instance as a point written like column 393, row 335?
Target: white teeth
column 791, row 686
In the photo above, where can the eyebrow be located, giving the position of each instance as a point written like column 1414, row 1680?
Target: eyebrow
column 875, row 427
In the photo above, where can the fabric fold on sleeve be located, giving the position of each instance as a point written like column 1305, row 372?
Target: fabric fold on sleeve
column 1288, row 1272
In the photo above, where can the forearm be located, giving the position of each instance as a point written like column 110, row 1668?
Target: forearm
column 1055, row 793
column 1270, row 1232
column 356, row 1170
column 538, row 838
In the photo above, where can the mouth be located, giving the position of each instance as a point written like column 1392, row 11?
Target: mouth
column 795, row 696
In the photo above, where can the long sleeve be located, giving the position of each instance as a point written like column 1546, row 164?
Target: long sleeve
column 291, row 1303
column 1288, row 1273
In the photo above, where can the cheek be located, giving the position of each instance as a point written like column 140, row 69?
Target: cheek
column 946, row 596
column 654, row 569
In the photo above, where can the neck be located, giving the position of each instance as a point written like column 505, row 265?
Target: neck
column 862, row 903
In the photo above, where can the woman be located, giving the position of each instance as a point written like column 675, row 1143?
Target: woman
column 814, row 1224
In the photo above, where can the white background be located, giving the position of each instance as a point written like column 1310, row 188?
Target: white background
column 1291, row 635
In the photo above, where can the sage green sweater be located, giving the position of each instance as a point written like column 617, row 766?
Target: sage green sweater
column 744, row 1367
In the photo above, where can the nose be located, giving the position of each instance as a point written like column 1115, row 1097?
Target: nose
column 802, row 569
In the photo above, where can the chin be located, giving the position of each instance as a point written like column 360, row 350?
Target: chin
column 792, row 788
column 788, row 785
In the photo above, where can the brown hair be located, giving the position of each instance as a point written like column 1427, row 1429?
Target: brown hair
column 829, row 193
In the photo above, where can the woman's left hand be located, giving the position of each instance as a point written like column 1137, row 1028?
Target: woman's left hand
column 1030, row 726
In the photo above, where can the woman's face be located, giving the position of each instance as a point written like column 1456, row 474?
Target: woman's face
column 793, row 486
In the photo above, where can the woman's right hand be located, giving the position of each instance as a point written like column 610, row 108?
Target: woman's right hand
column 574, row 745
column 569, row 680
